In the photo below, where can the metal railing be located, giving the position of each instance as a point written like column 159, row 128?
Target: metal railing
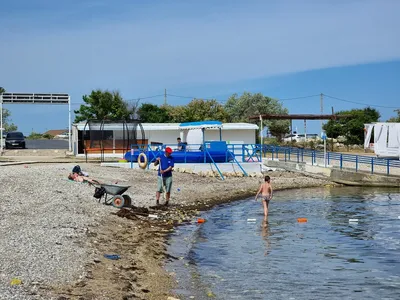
column 355, row 162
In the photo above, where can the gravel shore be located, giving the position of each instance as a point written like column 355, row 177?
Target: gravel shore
column 50, row 228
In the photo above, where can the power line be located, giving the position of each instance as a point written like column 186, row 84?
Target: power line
column 284, row 99
column 128, row 100
column 360, row 103
column 178, row 96
column 144, row 98
column 279, row 99
column 296, row 98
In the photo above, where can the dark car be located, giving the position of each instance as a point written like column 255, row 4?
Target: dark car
column 15, row 140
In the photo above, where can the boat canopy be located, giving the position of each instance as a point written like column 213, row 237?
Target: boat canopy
column 200, row 125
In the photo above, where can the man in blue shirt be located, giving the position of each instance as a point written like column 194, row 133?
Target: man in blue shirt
column 181, row 146
column 164, row 178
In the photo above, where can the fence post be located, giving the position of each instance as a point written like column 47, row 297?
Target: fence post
column 289, row 150
column 131, row 157
column 387, row 167
column 312, row 158
column 272, row 152
column 328, row 158
column 277, row 152
column 341, row 161
column 302, row 155
column 315, row 157
column 356, row 163
column 298, row 155
column 372, row 165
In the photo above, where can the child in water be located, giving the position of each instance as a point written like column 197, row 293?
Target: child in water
column 266, row 193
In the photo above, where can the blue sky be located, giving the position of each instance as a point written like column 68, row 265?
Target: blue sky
column 348, row 49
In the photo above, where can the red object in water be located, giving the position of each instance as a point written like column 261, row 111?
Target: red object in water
column 302, row 220
column 201, row 220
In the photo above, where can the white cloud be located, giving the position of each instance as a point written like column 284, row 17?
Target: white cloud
column 246, row 42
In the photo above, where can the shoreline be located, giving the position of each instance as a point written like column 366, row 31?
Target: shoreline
column 77, row 268
column 143, row 275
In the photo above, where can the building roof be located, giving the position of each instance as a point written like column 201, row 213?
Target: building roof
column 55, row 132
column 161, row 126
column 200, row 125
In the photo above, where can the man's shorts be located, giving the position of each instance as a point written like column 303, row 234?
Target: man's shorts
column 167, row 182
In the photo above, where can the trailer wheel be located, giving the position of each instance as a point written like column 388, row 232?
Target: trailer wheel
column 118, row 201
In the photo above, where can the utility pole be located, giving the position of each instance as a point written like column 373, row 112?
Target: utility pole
column 165, row 96
column 322, row 108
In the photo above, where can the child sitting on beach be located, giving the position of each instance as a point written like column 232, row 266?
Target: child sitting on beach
column 266, row 193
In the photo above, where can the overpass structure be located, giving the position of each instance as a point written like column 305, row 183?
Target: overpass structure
column 32, row 98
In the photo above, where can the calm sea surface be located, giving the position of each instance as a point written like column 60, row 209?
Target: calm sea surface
column 328, row 257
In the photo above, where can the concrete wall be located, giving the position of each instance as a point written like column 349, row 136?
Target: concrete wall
column 246, row 136
column 348, row 177
column 232, row 136
column 165, row 136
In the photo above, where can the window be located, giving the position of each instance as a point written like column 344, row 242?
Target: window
column 15, row 135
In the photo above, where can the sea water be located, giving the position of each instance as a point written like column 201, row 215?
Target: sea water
column 327, row 257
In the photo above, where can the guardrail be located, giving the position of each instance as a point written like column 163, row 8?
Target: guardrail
column 371, row 164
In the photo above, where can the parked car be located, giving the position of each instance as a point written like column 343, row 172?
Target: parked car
column 301, row 137
column 15, row 140
column 292, row 137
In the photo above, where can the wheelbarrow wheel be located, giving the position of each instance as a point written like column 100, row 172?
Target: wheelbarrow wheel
column 118, row 201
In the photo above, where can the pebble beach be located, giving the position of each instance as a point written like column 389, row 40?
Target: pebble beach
column 54, row 234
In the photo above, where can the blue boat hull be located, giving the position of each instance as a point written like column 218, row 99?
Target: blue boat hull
column 183, row 157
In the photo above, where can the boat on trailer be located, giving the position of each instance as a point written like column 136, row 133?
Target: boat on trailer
column 196, row 150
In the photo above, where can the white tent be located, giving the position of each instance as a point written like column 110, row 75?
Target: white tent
column 386, row 139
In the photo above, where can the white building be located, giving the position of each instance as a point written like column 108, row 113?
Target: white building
column 113, row 137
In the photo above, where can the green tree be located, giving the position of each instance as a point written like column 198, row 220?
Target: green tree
column 352, row 128
column 34, row 136
column 102, row 105
column 197, row 110
column 150, row 113
column 205, row 110
column 239, row 109
column 395, row 119
column 6, row 117
column 7, row 125
column 176, row 114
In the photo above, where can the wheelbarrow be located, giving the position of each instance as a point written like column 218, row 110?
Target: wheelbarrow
column 113, row 194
